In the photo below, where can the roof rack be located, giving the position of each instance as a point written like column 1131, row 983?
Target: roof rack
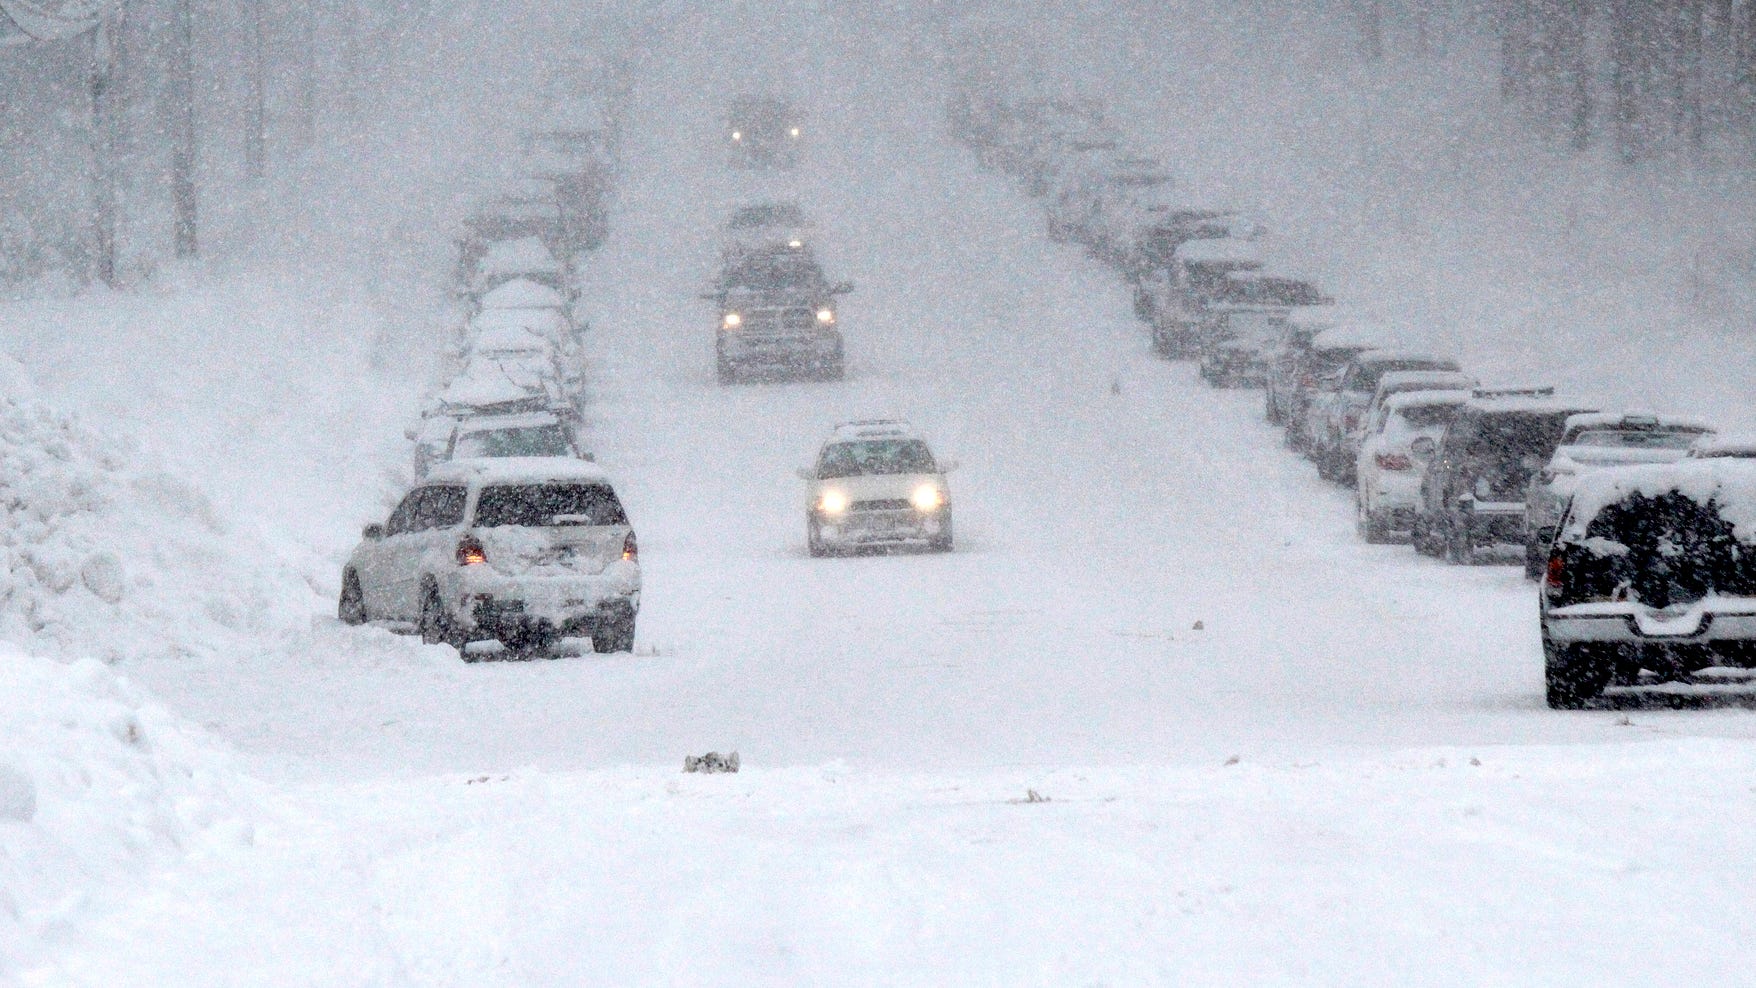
column 1543, row 391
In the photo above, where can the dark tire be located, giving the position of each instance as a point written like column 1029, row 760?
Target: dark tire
column 436, row 627
column 944, row 541
column 1142, row 307
column 1371, row 525
column 351, row 608
column 1574, row 674
column 1161, row 344
column 728, row 371
column 1270, row 411
column 814, row 540
column 614, row 635
column 832, row 371
column 1458, row 549
column 1422, row 538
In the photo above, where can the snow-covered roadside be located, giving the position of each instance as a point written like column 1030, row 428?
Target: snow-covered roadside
column 98, row 787
column 1432, row 866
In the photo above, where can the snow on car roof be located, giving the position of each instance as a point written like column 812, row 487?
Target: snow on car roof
column 1424, row 380
column 518, row 470
column 1422, row 399
column 872, row 429
column 526, row 254
column 1729, row 483
column 1489, row 401
column 1220, row 251
column 1350, row 336
column 509, row 336
column 522, row 293
column 539, row 320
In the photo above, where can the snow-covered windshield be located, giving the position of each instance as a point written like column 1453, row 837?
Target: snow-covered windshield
column 875, row 456
column 755, row 217
column 536, row 440
column 540, row 505
column 776, row 271
column 1421, row 418
column 1635, row 439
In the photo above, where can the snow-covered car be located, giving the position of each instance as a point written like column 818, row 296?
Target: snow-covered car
column 1244, row 325
column 777, row 313
column 1336, row 415
column 519, row 550
column 1473, row 493
column 526, row 258
column 1651, row 576
column 516, row 344
column 1593, row 442
column 1397, row 445
column 762, row 226
column 1299, row 380
column 1401, row 382
column 876, row 484
column 1196, row 276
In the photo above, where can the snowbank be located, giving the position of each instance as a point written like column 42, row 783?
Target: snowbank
column 96, row 785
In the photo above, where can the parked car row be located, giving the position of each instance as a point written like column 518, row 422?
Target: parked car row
column 510, row 532
column 1641, row 527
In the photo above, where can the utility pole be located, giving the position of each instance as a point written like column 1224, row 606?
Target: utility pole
column 182, row 95
column 104, row 144
column 256, row 124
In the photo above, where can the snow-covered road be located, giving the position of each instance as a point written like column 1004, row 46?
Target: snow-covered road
column 1145, row 585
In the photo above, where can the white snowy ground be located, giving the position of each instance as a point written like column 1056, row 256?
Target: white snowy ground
column 1401, row 807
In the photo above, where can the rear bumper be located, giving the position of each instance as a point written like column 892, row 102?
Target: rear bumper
column 1631, row 624
column 491, row 605
column 1494, row 523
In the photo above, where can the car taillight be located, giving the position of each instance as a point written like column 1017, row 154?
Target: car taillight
column 1307, row 381
column 1351, row 421
column 1394, row 461
column 630, row 549
column 1557, row 571
column 470, row 552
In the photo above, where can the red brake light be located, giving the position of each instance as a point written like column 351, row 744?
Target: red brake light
column 1556, row 572
column 1307, row 381
column 470, row 552
column 630, row 549
column 1351, row 420
column 1394, row 461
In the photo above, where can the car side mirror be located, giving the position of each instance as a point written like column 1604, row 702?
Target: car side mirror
column 1423, row 449
column 373, row 532
column 946, row 466
column 410, row 434
column 806, row 473
column 842, row 288
column 1466, row 503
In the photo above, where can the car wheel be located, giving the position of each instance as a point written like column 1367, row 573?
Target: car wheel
column 831, row 371
column 614, row 635
column 814, row 540
column 943, row 542
column 1574, row 674
column 1458, row 549
column 1161, row 344
column 1269, row 411
column 1371, row 525
column 351, row 609
column 728, row 372
column 436, row 627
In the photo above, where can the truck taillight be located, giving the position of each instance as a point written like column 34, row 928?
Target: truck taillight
column 470, row 552
column 1556, row 572
column 630, row 549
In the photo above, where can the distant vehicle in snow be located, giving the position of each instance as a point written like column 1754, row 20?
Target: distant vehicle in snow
column 1302, row 376
column 764, row 131
column 524, row 259
column 1593, row 442
column 1395, row 448
column 1243, row 324
column 1724, row 447
column 1473, row 494
column 876, row 484
column 522, row 551
column 777, row 312
column 1196, row 277
column 763, row 226
column 1651, row 577
column 1337, row 412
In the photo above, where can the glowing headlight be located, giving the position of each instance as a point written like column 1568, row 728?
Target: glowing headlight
column 732, row 320
column 826, row 316
column 927, row 498
column 795, row 244
column 794, row 132
column 737, row 136
column 833, row 503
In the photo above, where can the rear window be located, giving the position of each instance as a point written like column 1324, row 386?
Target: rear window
column 1636, row 439
column 1366, row 376
column 1519, row 434
column 1658, row 550
column 536, row 440
column 1427, row 416
column 543, row 505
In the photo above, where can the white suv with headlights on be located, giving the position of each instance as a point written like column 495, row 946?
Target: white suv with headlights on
column 876, row 484
column 522, row 550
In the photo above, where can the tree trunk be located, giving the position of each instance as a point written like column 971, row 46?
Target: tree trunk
column 256, row 122
column 181, row 84
column 106, row 119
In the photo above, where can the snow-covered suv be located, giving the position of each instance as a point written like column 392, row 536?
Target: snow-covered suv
column 523, row 550
column 876, row 484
